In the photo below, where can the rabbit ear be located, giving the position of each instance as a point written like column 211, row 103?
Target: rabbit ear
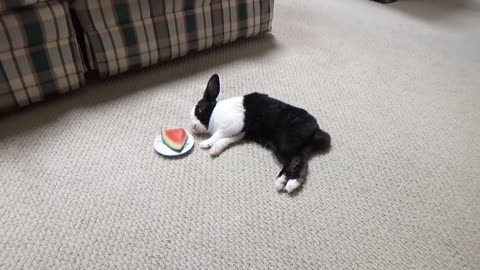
column 213, row 88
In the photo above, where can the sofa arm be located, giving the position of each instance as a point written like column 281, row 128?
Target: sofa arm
column 39, row 54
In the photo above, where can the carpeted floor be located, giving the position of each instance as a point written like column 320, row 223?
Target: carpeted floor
column 398, row 88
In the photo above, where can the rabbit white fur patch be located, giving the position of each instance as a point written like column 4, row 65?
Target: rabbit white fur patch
column 228, row 117
column 225, row 125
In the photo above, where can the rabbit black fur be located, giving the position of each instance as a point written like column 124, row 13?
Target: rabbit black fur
column 292, row 133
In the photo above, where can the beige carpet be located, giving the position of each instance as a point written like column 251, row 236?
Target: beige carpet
column 397, row 86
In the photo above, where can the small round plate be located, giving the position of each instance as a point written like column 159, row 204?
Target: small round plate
column 163, row 149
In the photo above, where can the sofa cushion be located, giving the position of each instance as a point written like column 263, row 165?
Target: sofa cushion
column 122, row 35
column 39, row 55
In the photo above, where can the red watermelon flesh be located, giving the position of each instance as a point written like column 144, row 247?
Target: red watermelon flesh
column 175, row 138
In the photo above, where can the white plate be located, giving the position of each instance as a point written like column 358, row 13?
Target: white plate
column 163, row 149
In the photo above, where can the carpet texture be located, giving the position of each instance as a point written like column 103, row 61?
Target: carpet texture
column 397, row 87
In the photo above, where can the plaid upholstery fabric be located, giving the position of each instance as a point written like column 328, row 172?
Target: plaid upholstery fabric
column 39, row 54
column 125, row 34
column 12, row 4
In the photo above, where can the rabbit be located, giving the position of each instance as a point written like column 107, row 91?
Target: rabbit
column 292, row 133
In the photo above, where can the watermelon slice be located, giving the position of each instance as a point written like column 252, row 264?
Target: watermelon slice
column 175, row 138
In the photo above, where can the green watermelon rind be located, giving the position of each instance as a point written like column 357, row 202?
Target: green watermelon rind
column 172, row 145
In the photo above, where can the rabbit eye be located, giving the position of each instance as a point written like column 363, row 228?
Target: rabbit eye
column 201, row 108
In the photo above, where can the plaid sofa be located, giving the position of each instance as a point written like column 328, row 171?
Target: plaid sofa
column 13, row 4
column 121, row 35
column 40, row 50
column 39, row 54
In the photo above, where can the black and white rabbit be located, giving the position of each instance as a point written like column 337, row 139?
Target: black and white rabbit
column 292, row 133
